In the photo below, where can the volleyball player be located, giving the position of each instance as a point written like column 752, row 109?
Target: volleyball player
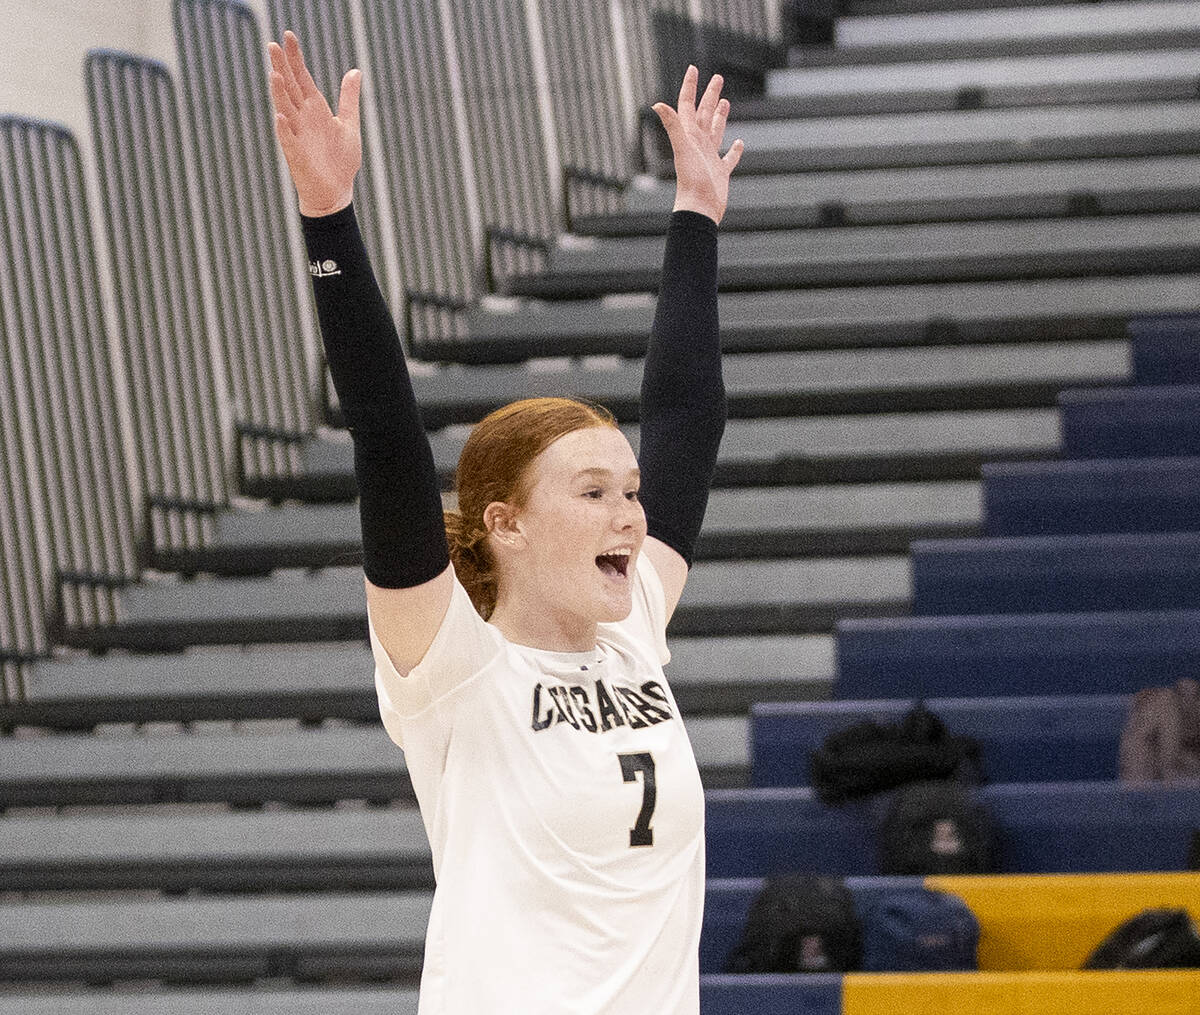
column 519, row 641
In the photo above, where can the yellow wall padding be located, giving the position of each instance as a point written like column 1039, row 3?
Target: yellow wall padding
column 1054, row 921
column 1162, row 992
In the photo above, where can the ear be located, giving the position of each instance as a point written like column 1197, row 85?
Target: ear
column 502, row 523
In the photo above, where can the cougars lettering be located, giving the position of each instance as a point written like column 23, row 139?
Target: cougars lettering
column 598, row 708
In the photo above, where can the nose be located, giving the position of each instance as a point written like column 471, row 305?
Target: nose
column 630, row 515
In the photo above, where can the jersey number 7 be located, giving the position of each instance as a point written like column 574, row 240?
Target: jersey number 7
column 641, row 834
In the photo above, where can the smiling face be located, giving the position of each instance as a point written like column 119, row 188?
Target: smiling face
column 568, row 553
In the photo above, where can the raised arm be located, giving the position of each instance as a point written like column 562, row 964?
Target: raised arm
column 683, row 393
column 405, row 555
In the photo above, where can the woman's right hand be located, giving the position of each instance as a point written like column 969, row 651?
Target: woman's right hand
column 323, row 151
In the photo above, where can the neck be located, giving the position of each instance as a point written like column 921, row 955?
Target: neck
column 539, row 625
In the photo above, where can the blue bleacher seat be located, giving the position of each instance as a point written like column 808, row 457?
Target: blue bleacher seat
column 1166, row 349
column 1057, row 574
column 727, row 904
column 990, row 656
column 1033, row 739
column 811, row 994
column 1102, row 495
column 1060, row 827
column 1131, row 422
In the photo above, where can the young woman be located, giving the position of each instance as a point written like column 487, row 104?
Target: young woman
column 519, row 641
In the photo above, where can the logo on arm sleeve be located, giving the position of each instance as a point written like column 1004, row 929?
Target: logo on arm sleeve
column 323, row 269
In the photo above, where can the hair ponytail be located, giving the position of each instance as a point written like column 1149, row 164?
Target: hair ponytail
column 493, row 467
column 472, row 560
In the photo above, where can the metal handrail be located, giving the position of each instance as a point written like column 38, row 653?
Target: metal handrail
column 577, row 182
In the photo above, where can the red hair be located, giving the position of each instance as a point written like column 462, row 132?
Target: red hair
column 494, row 466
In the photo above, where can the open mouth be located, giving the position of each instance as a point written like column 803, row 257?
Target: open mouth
column 615, row 565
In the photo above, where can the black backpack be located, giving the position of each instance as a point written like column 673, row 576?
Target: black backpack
column 1154, row 939
column 799, row 924
column 936, row 828
column 871, row 757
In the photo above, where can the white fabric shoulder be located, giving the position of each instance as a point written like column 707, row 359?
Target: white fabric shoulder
column 464, row 645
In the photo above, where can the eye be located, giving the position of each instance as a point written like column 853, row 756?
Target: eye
column 631, row 495
column 594, row 494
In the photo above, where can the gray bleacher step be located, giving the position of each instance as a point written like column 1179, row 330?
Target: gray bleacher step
column 302, row 766
column 364, row 1000
column 326, row 850
column 1075, row 28
column 253, row 767
column 306, row 938
column 854, row 519
column 884, row 446
column 889, row 7
column 804, row 595
column 823, row 449
column 984, row 376
column 723, row 675
column 793, row 320
column 765, row 597
column 1026, row 134
column 887, row 255
column 327, row 472
column 746, row 523
column 308, row 683
column 919, row 194
column 982, row 83
column 322, row 681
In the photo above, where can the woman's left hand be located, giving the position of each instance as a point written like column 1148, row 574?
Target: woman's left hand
column 701, row 173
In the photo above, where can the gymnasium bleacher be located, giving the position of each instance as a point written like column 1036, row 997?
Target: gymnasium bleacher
column 960, row 304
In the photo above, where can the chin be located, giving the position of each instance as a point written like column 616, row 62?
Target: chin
column 617, row 604
column 609, row 614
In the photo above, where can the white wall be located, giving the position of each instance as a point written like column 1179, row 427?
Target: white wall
column 43, row 44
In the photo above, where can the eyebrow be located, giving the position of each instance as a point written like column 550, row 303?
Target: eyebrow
column 598, row 471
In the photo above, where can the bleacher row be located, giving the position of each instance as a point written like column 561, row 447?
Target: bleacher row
column 957, row 273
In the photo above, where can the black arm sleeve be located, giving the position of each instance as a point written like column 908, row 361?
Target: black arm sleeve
column 400, row 506
column 683, row 394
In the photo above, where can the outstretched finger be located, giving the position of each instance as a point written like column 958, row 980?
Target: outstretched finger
column 720, row 118
column 734, row 155
column 670, row 120
column 279, row 95
column 287, row 81
column 299, row 68
column 294, row 91
column 708, row 102
column 348, row 98
column 687, row 91
column 278, row 60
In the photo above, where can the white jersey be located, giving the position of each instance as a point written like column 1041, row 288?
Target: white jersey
column 565, row 813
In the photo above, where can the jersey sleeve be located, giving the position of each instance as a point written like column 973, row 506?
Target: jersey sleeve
column 464, row 644
column 648, row 619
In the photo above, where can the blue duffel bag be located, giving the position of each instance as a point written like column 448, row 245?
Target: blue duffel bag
column 919, row 930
